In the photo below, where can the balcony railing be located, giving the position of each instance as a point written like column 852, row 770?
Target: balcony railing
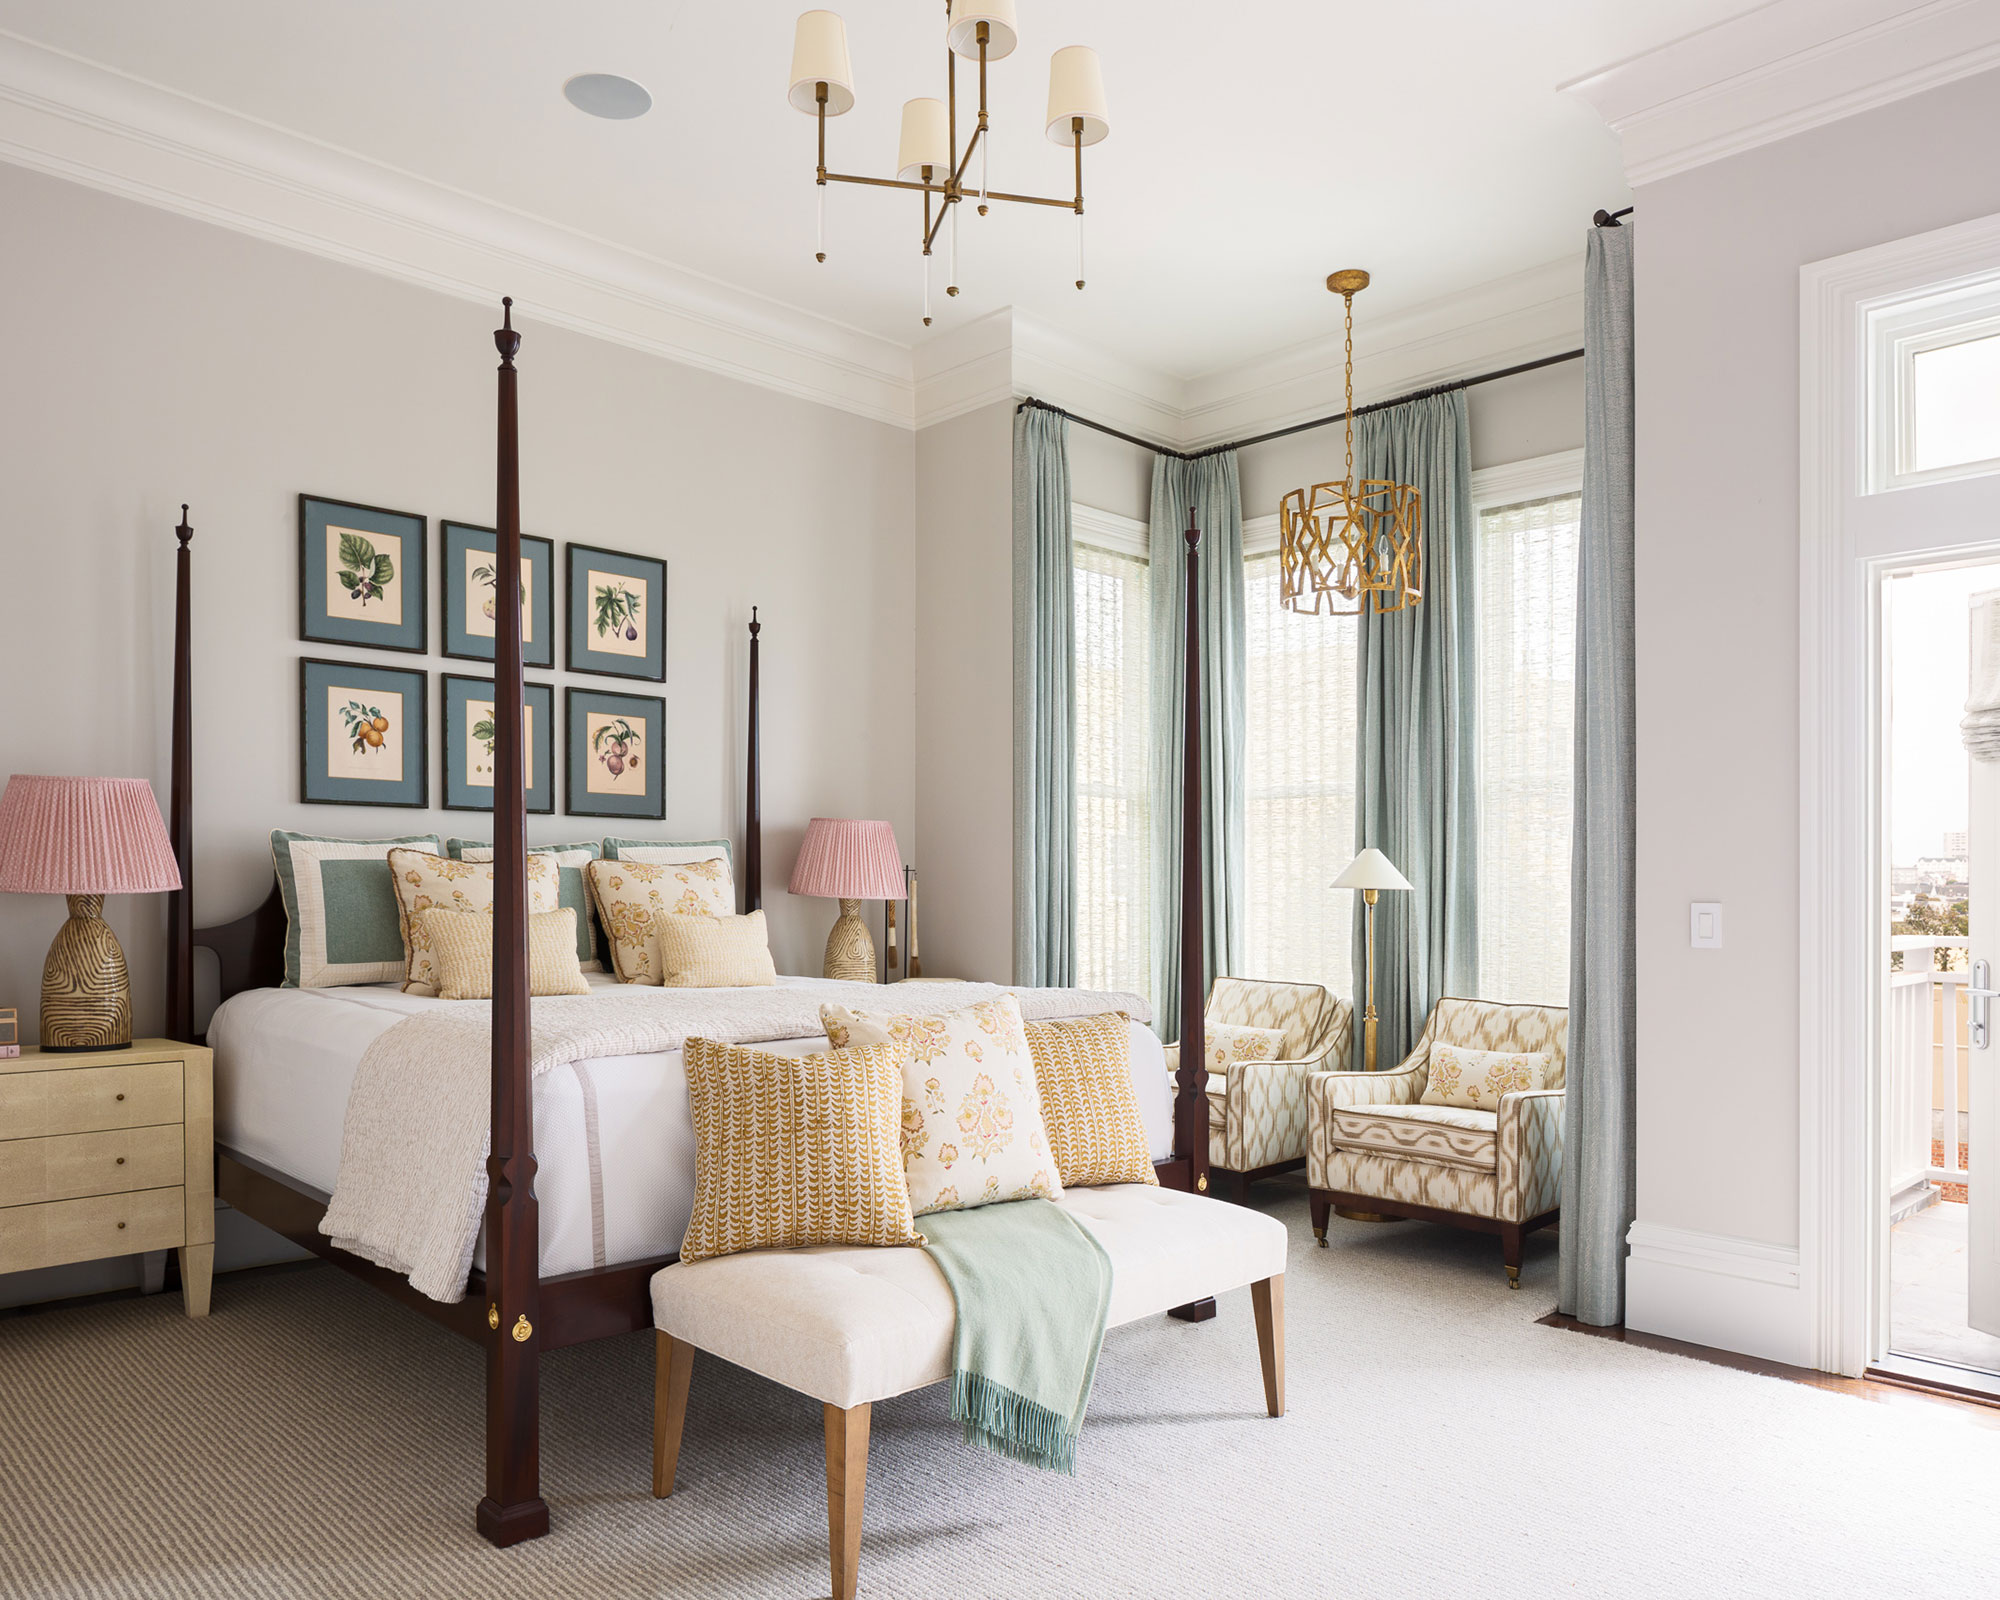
column 1927, row 1063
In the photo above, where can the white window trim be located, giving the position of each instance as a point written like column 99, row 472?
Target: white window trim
column 1107, row 530
column 1515, row 483
column 1899, row 329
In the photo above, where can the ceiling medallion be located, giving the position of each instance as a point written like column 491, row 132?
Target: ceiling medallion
column 1349, row 547
column 928, row 158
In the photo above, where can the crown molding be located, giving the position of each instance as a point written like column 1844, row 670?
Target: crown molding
column 1109, row 530
column 965, row 369
column 1537, row 478
column 1779, row 70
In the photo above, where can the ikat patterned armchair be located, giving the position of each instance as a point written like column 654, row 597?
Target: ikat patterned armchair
column 1378, row 1152
column 1264, row 1039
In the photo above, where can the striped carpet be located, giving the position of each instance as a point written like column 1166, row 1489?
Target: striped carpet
column 313, row 1439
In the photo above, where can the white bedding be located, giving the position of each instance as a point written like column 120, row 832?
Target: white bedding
column 613, row 1138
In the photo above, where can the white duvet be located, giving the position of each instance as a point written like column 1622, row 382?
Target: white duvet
column 613, row 1138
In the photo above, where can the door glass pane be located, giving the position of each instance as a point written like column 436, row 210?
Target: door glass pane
column 1955, row 404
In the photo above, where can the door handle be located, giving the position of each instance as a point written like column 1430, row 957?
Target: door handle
column 1980, row 991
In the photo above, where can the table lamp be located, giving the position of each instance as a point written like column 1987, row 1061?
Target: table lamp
column 849, row 861
column 1371, row 872
column 84, row 838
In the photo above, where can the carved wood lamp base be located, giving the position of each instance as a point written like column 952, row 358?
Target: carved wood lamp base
column 850, row 951
column 86, row 998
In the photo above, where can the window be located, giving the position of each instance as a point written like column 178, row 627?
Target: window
column 1299, row 700
column 1113, row 817
column 1934, row 386
column 1955, row 404
column 1527, row 695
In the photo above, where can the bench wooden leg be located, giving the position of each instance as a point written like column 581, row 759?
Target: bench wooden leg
column 1267, row 1300
column 846, row 1483
column 673, row 1366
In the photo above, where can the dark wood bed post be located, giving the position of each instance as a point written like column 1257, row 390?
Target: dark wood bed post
column 753, row 802
column 513, row 1509
column 180, row 807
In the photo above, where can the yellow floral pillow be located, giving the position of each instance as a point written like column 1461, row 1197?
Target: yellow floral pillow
column 426, row 882
column 1228, row 1043
column 631, row 895
column 972, row 1113
column 1477, row 1079
column 1083, row 1067
column 795, row 1150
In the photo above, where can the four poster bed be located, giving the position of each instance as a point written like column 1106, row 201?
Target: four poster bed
column 512, row 1306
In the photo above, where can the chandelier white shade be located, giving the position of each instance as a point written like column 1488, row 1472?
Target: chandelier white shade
column 926, row 141
column 1076, row 89
column 962, row 31
column 819, row 56
column 1371, row 870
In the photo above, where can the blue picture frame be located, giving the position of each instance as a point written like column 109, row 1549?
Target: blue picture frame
column 609, row 773
column 363, row 575
column 460, row 545
column 339, row 763
column 602, row 638
column 468, row 782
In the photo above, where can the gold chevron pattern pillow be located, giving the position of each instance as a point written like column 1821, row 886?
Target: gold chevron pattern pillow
column 424, row 881
column 462, row 945
column 795, row 1150
column 1084, row 1068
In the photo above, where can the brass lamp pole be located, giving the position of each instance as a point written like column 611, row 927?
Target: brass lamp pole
column 1371, row 872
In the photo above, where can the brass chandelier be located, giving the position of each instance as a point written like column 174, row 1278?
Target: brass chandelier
column 1349, row 547
column 928, row 158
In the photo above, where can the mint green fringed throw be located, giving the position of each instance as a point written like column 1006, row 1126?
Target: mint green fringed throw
column 1032, row 1286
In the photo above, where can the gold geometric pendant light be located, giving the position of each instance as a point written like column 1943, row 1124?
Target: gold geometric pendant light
column 1349, row 547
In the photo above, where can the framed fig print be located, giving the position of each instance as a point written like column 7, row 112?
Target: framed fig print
column 469, row 585
column 362, row 734
column 613, row 745
column 362, row 575
column 617, row 613
column 468, row 745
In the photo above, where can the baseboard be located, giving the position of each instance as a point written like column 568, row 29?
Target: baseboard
column 1709, row 1288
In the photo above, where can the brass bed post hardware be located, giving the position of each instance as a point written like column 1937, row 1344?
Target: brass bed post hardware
column 493, row 1317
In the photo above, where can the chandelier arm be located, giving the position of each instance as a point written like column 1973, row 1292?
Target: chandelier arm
column 820, row 96
column 982, row 119
column 903, row 183
column 934, row 226
column 1076, row 133
column 950, row 89
column 1032, row 200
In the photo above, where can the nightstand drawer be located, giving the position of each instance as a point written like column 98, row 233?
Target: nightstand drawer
column 85, row 1230
column 67, row 1166
column 34, row 1104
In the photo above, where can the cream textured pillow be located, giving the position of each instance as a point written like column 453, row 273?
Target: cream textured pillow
column 633, row 896
column 972, row 1113
column 1084, row 1069
column 423, row 880
column 1478, row 1078
column 699, row 952
column 794, row 1150
column 462, row 945
column 1229, row 1043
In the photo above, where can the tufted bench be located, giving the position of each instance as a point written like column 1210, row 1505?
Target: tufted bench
column 850, row 1326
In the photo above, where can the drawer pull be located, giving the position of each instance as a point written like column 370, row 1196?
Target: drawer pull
column 121, row 1096
column 121, row 1224
column 121, row 1161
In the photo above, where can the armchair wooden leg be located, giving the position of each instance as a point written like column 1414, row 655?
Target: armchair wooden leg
column 673, row 1366
column 1267, row 1300
column 1510, row 1252
column 1322, row 1204
column 846, row 1484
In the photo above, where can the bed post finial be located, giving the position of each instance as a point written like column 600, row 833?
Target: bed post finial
column 505, row 339
column 183, row 530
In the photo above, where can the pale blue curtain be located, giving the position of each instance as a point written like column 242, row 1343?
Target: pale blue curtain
column 1599, row 1196
column 1416, row 752
column 1209, row 486
column 1044, row 704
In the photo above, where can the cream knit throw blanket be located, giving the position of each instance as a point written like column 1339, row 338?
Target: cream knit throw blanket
column 412, row 1187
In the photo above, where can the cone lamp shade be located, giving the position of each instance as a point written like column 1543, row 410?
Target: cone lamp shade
column 819, row 56
column 1001, row 31
column 1371, row 870
column 1076, row 89
column 926, row 142
column 84, row 838
column 849, row 861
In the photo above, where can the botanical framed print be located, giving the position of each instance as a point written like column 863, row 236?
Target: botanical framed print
column 613, row 747
column 617, row 613
column 362, row 575
column 469, row 586
column 468, row 745
column 363, row 734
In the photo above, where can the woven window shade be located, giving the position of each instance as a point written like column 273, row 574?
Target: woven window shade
column 1300, row 699
column 1527, row 697
column 1113, row 815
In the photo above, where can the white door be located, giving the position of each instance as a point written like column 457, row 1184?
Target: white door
column 1983, row 1051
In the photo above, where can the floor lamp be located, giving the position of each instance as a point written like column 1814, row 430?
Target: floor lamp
column 1371, row 872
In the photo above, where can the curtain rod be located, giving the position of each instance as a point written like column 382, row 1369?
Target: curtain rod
column 1302, row 427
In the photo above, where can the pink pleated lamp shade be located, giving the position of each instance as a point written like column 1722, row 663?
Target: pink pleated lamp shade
column 847, row 860
column 83, row 836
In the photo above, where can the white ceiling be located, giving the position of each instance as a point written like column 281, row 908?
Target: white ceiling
column 1254, row 147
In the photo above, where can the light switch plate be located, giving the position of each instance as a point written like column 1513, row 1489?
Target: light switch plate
column 1705, row 925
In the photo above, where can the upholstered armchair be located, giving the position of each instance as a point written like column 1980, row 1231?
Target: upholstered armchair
column 1257, row 1085
column 1377, row 1152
